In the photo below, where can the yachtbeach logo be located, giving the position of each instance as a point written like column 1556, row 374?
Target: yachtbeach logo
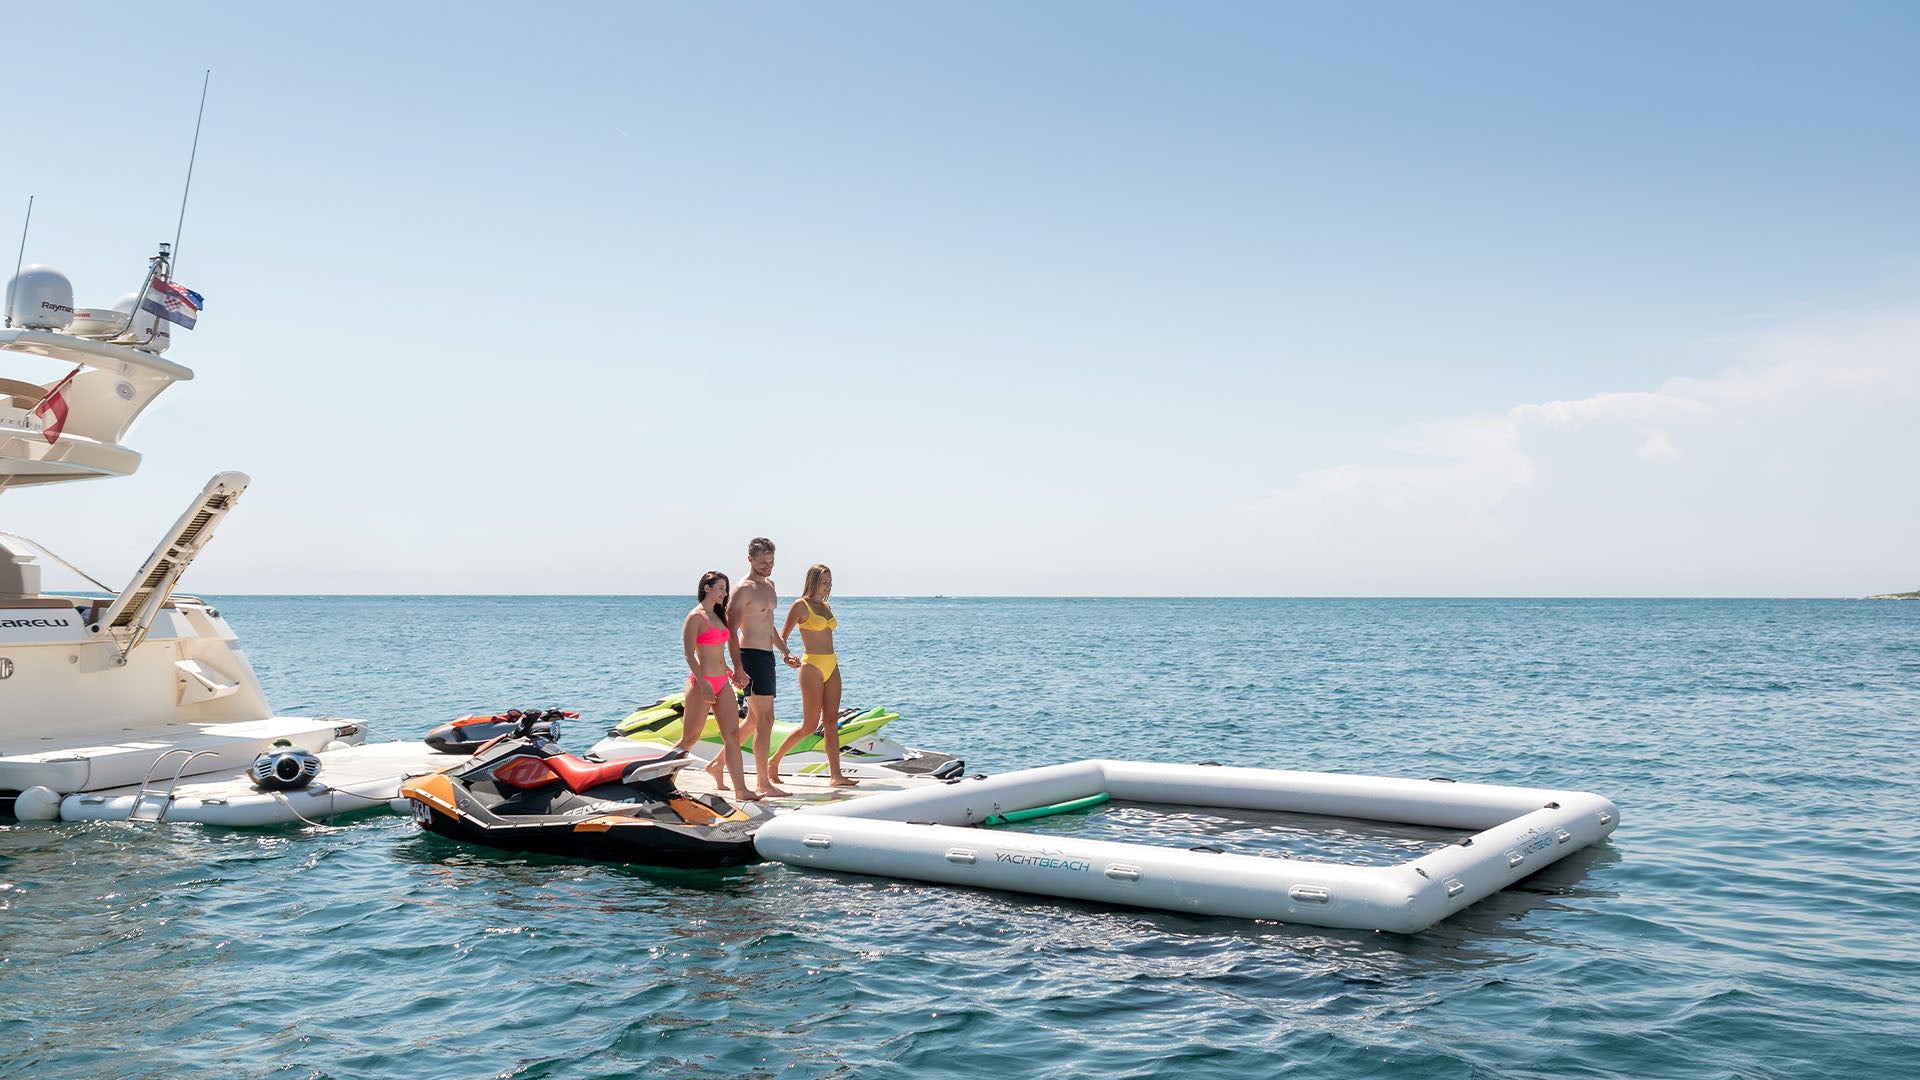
column 1534, row 839
column 1044, row 860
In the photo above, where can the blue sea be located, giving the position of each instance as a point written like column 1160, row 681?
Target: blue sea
column 1757, row 914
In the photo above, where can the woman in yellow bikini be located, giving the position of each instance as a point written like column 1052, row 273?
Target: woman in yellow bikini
column 704, row 637
column 819, row 673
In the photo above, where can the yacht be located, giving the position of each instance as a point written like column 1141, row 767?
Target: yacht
column 139, row 704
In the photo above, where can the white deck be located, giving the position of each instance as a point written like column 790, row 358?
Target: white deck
column 367, row 778
column 58, row 763
column 805, row 791
column 355, row 780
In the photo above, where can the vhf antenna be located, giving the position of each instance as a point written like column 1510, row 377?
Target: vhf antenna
column 19, row 259
column 161, row 266
column 194, row 153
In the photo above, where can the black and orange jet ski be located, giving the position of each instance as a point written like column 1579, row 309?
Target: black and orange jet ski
column 522, row 792
column 470, row 733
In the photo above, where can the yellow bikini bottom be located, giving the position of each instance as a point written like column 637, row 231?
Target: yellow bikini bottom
column 825, row 663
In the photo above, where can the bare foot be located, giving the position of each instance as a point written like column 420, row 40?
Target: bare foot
column 841, row 781
column 745, row 796
column 768, row 791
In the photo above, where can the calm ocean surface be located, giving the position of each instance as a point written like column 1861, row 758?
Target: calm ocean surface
column 1757, row 914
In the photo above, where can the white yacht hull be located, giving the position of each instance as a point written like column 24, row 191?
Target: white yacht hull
column 124, row 705
column 81, row 712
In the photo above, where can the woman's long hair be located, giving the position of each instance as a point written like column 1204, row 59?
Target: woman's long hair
column 706, row 582
column 812, row 591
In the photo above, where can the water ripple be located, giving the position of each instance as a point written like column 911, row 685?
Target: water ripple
column 1754, row 917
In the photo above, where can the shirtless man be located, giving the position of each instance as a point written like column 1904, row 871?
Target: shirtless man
column 750, row 617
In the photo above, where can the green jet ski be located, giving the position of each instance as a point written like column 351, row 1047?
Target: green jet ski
column 864, row 751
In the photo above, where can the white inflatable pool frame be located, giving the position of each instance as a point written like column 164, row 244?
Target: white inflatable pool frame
column 931, row 834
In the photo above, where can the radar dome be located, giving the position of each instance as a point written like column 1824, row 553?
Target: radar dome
column 42, row 299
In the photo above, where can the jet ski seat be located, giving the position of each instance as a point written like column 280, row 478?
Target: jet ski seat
column 580, row 775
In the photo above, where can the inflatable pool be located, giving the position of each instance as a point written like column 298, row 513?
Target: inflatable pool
column 932, row 834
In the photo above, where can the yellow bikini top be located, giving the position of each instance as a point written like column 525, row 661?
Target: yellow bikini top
column 815, row 622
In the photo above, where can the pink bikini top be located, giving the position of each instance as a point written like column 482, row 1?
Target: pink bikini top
column 713, row 635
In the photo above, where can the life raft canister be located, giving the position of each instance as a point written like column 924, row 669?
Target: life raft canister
column 284, row 767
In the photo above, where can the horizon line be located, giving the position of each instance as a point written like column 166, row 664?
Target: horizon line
column 1072, row 596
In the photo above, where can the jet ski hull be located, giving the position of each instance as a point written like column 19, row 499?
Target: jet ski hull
column 598, row 837
column 524, row 795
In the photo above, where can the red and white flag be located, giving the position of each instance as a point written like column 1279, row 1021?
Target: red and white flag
column 53, row 408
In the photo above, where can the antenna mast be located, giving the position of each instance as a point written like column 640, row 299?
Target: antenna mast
column 19, row 259
column 194, row 153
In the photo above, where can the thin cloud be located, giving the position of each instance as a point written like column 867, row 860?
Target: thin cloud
column 1476, row 463
column 1657, row 447
column 1630, row 408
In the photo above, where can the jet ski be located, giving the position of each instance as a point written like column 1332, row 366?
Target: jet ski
column 864, row 751
column 470, row 733
column 522, row 792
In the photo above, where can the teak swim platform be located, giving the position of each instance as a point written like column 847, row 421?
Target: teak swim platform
column 928, row 834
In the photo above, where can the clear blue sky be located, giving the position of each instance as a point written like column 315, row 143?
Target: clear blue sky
column 1426, row 299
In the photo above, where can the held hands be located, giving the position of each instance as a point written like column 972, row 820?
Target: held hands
column 792, row 660
column 740, row 680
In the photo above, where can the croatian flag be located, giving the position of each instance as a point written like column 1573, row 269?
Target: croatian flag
column 53, row 408
column 173, row 303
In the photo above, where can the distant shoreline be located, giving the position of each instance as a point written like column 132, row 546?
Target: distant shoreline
column 1915, row 595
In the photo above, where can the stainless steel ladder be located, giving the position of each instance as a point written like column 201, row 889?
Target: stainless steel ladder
column 165, row 796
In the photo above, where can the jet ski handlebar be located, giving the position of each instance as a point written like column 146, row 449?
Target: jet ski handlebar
column 539, row 723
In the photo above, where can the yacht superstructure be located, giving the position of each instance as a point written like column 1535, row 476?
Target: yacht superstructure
column 144, row 686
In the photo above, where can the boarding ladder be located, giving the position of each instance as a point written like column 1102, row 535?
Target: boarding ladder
column 128, row 617
column 165, row 796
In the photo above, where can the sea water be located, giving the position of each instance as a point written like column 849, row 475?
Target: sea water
column 1757, row 914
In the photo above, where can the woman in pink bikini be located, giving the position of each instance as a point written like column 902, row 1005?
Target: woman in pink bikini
column 704, row 637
